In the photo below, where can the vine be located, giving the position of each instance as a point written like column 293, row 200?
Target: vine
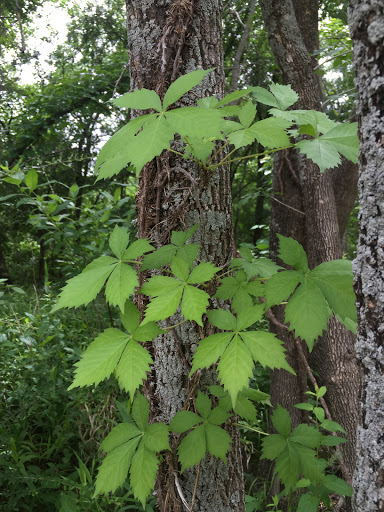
column 252, row 285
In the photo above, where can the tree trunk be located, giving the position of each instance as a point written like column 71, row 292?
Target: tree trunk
column 166, row 39
column 366, row 21
column 293, row 35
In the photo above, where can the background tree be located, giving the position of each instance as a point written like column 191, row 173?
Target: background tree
column 164, row 42
column 366, row 21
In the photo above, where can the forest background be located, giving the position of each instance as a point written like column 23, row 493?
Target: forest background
column 55, row 220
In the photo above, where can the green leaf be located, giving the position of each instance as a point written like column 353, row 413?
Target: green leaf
column 143, row 473
column 139, row 99
column 292, row 253
column 241, row 138
column 233, row 96
column 335, row 280
column 321, row 152
column 308, row 503
column 116, row 153
column 147, row 332
column 100, row 359
column 188, row 253
column 319, row 413
column 235, row 368
column 307, row 312
column 137, row 249
column 319, row 121
column 200, row 148
column 166, row 303
column 306, row 435
column 266, row 349
column 180, row 268
column 120, row 285
column 179, row 238
column 282, row 421
column 218, row 441
column 280, row 286
column 222, row 318
column 202, row 273
column 31, row 179
column 245, row 409
column 194, row 304
column 119, row 435
column 265, row 97
column 256, row 395
column 273, row 445
column 203, row 404
column 271, row 132
column 196, row 122
column 114, row 468
column 184, row 84
column 284, row 94
column 130, row 318
column 183, row 421
column 288, row 467
column 118, row 241
column 332, row 440
column 248, row 317
column 159, row 258
column 133, row 367
column 344, row 139
column 219, row 415
column 332, row 426
column 247, row 114
column 82, row 289
column 210, row 349
column 192, row 448
column 156, row 437
column 140, row 411
column 338, row 485
column 304, row 406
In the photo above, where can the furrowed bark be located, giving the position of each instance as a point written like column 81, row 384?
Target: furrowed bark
column 168, row 39
column 366, row 21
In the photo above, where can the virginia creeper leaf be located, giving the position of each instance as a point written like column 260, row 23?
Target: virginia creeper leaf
column 118, row 241
column 156, row 437
column 121, row 284
column 133, row 367
column 203, row 404
column 143, row 473
column 139, row 99
column 292, row 253
column 266, row 349
column 183, row 421
column 140, row 411
column 192, row 448
column 218, row 441
column 184, row 84
column 194, row 304
column 210, row 349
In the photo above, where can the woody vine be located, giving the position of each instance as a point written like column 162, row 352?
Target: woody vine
column 246, row 290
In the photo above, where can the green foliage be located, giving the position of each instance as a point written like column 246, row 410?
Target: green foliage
column 206, row 435
column 132, row 447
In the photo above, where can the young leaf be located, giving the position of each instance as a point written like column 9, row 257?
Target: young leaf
column 235, row 368
column 222, row 318
column 101, row 358
column 192, row 448
column 280, row 286
column 137, row 249
column 133, row 367
column 139, row 99
column 184, row 84
column 183, row 421
column 307, row 312
column 292, row 253
column 210, row 349
column 194, row 304
column 308, row 503
column 82, row 289
column 156, row 437
column 332, row 426
column 143, row 473
column 114, row 468
column 266, row 349
column 140, row 411
column 203, row 404
column 121, row 284
column 31, row 179
column 118, row 241
column 218, row 441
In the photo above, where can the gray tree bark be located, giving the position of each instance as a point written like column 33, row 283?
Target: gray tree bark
column 310, row 214
column 366, row 20
column 167, row 39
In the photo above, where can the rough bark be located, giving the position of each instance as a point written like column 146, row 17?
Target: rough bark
column 292, row 32
column 166, row 39
column 366, row 20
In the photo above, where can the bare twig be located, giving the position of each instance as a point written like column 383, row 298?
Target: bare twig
column 195, row 489
column 20, row 26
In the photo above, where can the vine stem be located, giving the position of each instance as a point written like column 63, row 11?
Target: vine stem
column 195, row 489
column 267, row 152
column 172, row 326
column 251, row 428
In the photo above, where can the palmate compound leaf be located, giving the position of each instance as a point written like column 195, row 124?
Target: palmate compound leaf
column 280, row 286
column 192, row 448
column 143, row 473
column 308, row 312
column 112, row 350
column 281, row 96
column 82, row 289
column 270, row 133
column 321, row 152
column 121, row 284
column 218, row 441
column 184, row 84
column 292, row 253
column 118, row 241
